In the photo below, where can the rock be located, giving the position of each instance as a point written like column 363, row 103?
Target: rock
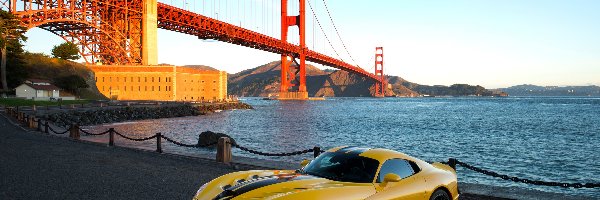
column 209, row 137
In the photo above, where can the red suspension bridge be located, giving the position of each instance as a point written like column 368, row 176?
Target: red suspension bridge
column 123, row 32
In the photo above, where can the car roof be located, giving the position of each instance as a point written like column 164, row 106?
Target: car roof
column 375, row 153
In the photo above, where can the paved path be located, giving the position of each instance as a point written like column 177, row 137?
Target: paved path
column 37, row 166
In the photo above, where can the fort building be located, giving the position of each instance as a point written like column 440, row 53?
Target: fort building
column 162, row 83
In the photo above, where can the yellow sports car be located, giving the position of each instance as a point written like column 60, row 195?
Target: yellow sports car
column 341, row 173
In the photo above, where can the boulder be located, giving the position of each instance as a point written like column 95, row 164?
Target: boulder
column 209, row 137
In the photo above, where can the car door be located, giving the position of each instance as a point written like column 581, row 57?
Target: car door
column 410, row 186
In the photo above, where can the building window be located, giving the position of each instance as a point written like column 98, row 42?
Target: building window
column 139, row 79
column 159, row 87
column 202, row 81
column 96, row 78
column 125, row 88
column 131, row 79
column 214, row 81
column 145, row 88
column 153, row 79
column 159, row 79
column 125, row 79
column 139, row 88
column 152, row 88
column 145, row 79
column 110, row 79
column 131, row 88
column 103, row 88
column 102, row 79
column 117, row 79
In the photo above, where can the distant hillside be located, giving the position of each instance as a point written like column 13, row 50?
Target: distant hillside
column 534, row 90
column 265, row 79
column 201, row 67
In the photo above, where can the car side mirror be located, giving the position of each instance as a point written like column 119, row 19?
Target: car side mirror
column 304, row 163
column 391, row 177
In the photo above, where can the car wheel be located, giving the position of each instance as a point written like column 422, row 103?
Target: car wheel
column 439, row 195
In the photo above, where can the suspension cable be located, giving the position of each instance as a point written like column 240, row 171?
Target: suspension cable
column 338, row 33
column 328, row 41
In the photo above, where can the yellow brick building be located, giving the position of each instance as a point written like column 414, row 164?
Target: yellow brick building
column 164, row 83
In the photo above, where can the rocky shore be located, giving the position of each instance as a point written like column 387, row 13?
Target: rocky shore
column 87, row 117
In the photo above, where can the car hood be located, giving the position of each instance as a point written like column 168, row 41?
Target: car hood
column 290, row 185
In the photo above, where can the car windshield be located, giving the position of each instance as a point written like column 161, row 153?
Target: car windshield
column 345, row 167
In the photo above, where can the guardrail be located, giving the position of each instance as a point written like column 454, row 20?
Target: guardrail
column 225, row 144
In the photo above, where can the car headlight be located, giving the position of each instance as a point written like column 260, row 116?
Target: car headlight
column 201, row 188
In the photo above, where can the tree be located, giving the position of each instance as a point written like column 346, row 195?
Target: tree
column 66, row 51
column 71, row 83
column 12, row 33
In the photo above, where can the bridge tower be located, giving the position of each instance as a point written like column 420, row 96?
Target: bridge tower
column 290, row 78
column 379, row 86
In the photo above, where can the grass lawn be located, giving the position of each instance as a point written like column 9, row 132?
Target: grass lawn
column 27, row 102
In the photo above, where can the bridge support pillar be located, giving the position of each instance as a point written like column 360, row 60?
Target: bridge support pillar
column 150, row 33
column 379, row 86
column 293, row 76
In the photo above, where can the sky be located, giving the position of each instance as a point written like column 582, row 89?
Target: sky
column 434, row 42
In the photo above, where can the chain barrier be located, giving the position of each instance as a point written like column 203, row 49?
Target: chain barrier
column 90, row 133
column 135, row 139
column 526, row 181
column 186, row 145
column 271, row 154
column 56, row 132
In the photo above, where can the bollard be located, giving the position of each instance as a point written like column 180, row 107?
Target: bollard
column 46, row 125
column 39, row 125
column 158, row 142
column 111, row 137
column 31, row 121
column 72, row 106
column 101, row 105
column 74, row 131
column 316, row 151
column 224, row 150
column 34, row 108
column 452, row 163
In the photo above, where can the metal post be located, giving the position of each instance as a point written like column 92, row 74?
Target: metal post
column 224, row 150
column 316, row 151
column 46, row 125
column 452, row 163
column 158, row 142
column 111, row 137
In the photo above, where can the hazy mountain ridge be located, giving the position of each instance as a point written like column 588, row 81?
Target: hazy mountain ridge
column 535, row 90
column 264, row 80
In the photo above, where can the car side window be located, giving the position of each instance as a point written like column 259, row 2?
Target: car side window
column 402, row 168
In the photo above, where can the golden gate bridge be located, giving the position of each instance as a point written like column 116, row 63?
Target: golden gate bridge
column 123, row 32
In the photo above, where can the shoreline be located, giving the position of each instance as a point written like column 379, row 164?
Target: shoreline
column 98, row 114
column 470, row 191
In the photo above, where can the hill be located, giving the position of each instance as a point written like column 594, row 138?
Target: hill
column 40, row 66
column 264, row 80
column 534, row 90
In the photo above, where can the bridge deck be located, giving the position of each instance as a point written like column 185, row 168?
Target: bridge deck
column 179, row 20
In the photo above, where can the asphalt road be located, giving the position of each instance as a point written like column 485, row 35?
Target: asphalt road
column 36, row 166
